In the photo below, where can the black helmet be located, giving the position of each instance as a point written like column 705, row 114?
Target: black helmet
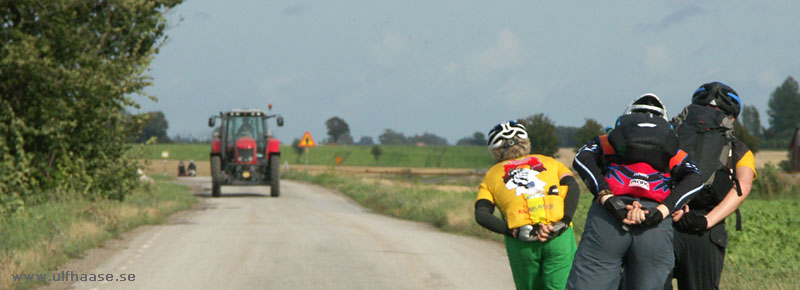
column 719, row 95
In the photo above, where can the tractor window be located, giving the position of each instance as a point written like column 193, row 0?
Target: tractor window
column 252, row 127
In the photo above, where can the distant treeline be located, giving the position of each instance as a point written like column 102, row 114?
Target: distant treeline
column 546, row 137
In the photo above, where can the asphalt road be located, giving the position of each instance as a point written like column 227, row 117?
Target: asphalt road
column 309, row 238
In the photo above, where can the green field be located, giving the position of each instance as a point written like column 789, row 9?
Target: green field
column 766, row 253
column 393, row 155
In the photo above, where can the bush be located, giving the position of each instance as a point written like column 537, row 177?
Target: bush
column 771, row 183
column 69, row 71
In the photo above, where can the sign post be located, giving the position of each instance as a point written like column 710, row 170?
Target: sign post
column 165, row 155
column 307, row 142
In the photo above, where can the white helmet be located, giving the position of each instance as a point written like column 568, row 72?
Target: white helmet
column 505, row 131
column 647, row 103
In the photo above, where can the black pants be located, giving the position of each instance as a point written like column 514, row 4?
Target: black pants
column 699, row 258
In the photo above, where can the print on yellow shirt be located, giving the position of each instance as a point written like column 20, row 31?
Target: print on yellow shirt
column 526, row 190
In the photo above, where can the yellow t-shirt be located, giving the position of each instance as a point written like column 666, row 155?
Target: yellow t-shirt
column 748, row 160
column 527, row 190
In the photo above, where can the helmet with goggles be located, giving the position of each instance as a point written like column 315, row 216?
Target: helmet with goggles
column 647, row 103
column 503, row 135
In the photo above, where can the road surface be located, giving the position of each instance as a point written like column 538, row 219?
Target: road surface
column 309, row 238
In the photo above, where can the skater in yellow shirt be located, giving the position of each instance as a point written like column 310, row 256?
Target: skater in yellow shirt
column 537, row 196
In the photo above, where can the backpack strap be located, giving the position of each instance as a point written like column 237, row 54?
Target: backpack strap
column 609, row 154
column 678, row 119
column 677, row 158
column 732, row 168
column 727, row 153
column 607, row 148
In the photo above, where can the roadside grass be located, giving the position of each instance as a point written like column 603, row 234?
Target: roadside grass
column 449, row 210
column 765, row 255
column 39, row 239
column 442, row 209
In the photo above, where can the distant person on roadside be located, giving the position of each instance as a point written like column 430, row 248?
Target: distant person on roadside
column 728, row 169
column 181, row 169
column 537, row 196
column 192, row 168
column 638, row 177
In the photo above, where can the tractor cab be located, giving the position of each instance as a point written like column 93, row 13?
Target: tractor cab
column 247, row 139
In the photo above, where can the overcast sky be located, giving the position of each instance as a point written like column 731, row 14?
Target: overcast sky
column 455, row 67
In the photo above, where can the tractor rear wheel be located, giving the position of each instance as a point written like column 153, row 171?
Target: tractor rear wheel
column 216, row 175
column 275, row 175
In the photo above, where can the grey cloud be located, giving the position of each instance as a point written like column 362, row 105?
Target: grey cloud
column 296, row 9
column 673, row 18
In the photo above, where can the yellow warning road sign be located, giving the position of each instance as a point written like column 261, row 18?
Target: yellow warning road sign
column 307, row 141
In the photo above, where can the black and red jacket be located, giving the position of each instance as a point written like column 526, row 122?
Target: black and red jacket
column 673, row 187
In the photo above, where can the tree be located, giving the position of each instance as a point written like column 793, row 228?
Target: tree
column 751, row 120
column 589, row 130
column 566, row 136
column 477, row 139
column 346, row 139
column 337, row 128
column 376, row 152
column 428, row 139
column 366, row 140
column 69, row 71
column 741, row 133
column 784, row 110
column 542, row 133
column 156, row 125
column 390, row 137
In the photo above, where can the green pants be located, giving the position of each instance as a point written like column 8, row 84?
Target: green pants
column 537, row 265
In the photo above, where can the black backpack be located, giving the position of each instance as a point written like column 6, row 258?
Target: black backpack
column 642, row 137
column 706, row 133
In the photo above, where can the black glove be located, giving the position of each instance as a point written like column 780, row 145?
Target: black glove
column 616, row 206
column 528, row 233
column 558, row 228
column 692, row 222
column 653, row 217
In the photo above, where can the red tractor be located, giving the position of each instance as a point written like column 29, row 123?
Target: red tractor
column 243, row 151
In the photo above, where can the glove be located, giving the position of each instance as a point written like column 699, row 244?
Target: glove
column 528, row 233
column 653, row 217
column 692, row 222
column 616, row 206
column 558, row 228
